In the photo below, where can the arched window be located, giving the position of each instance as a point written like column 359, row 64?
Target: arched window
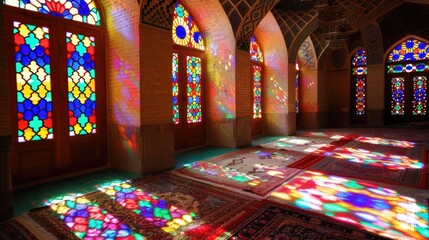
column 407, row 73
column 59, row 83
column 187, row 80
column 257, row 60
column 358, row 83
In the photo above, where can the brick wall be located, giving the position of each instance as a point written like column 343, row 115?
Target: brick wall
column 5, row 128
column 243, row 84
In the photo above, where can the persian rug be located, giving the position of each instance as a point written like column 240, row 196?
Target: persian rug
column 318, row 154
column 254, row 169
column 272, row 221
column 14, row 230
column 380, row 160
column 163, row 206
column 387, row 210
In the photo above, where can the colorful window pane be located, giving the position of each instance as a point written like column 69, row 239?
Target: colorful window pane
column 419, row 95
column 77, row 10
column 255, row 50
column 398, row 98
column 297, row 86
column 257, row 92
column 33, row 82
column 185, row 31
column 408, row 68
column 81, row 83
column 360, row 96
column 359, row 72
column 359, row 58
column 409, row 50
column 193, row 67
column 175, row 82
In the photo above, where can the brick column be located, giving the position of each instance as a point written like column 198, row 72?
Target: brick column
column 6, row 204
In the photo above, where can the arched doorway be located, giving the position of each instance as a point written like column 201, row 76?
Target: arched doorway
column 188, row 81
column 57, row 86
column 407, row 67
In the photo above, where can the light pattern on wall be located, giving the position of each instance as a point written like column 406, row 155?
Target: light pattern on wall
column 87, row 220
column 409, row 50
column 419, row 95
column 77, row 10
column 297, row 86
column 398, row 100
column 386, row 142
column 175, row 83
column 81, row 83
column 185, row 31
column 257, row 91
column 407, row 68
column 255, row 50
column 375, row 208
column 194, row 89
column 359, row 72
column 155, row 210
column 376, row 159
column 33, row 82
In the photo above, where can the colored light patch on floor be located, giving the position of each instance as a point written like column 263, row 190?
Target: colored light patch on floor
column 386, row 142
column 374, row 208
column 225, row 172
column 88, row 221
column 167, row 217
column 377, row 159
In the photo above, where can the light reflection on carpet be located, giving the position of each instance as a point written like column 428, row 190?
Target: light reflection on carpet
column 386, row 142
column 375, row 208
column 155, row 210
column 88, row 221
column 376, row 159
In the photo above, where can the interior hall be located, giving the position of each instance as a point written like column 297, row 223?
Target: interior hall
column 214, row 119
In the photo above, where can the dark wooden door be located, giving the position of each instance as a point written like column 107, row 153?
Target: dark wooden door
column 56, row 80
column 190, row 122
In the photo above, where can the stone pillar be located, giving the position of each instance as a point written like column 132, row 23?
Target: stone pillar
column 6, row 204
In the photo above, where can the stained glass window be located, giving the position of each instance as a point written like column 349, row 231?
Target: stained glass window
column 408, row 68
column 194, row 89
column 297, row 86
column 81, row 83
column 185, row 31
column 409, row 50
column 77, row 10
column 398, row 100
column 419, row 95
column 257, row 92
column 175, row 82
column 33, row 80
column 255, row 50
column 359, row 72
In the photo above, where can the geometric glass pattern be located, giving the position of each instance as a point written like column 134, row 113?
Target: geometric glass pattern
column 257, row 92
column 185, row 31
column 419, row 95
column 33, row 82
column 77, row 10
column 193, row 68
column 81, row 83
column 255, row 50
column 376, row 208
column 409, row 50
column 360, row 96
column 87, row 220
column 359, row 71
column 153, row 209
column 297, row 86
column 175, row 83
column 398, row 100
column 359, row 58
column 408, row 68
